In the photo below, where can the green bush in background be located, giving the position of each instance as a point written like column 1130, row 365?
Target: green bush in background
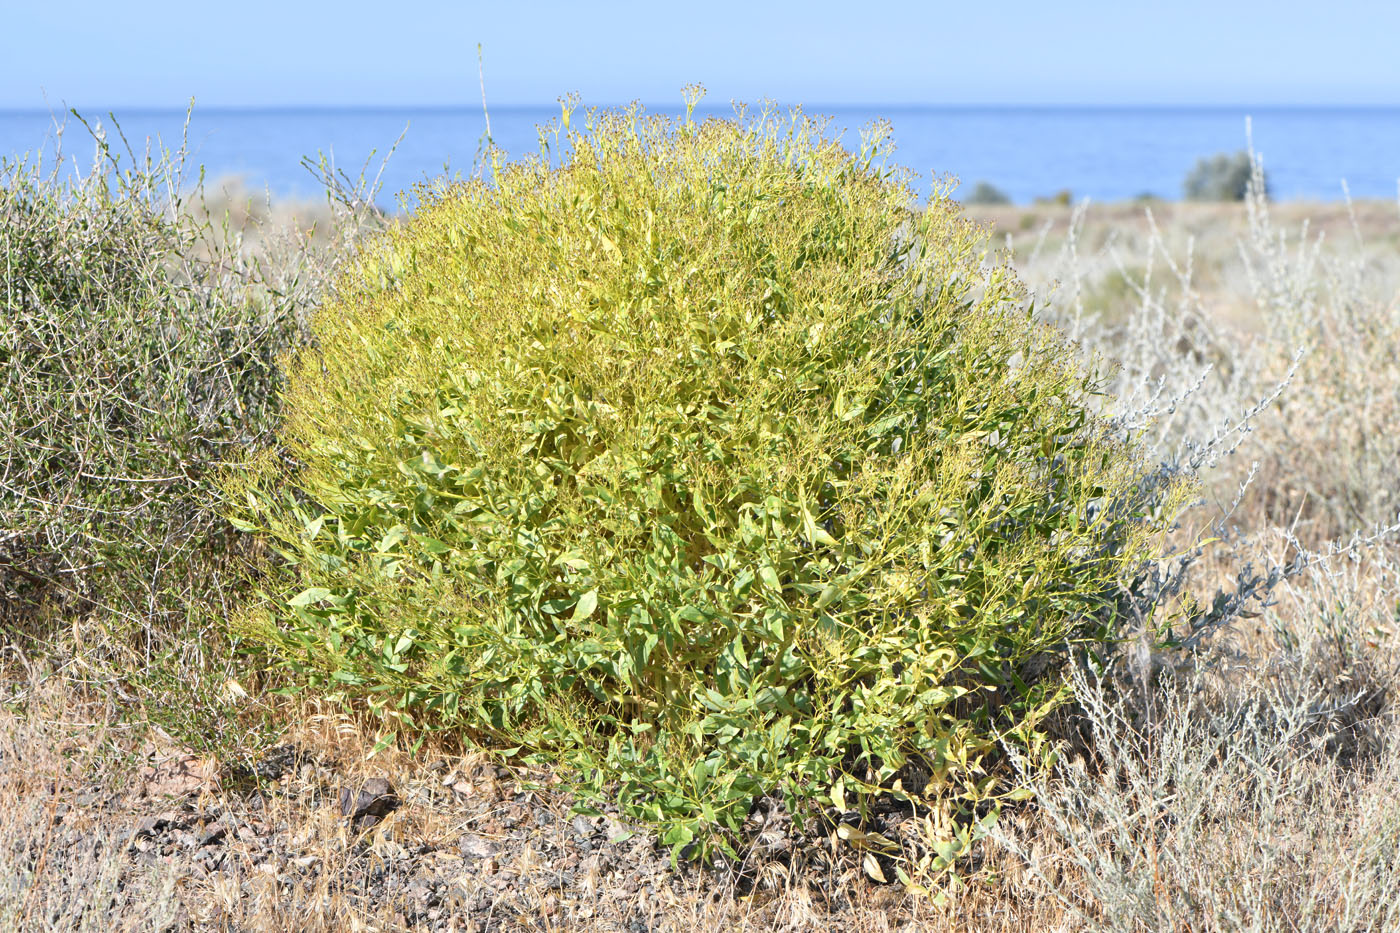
column 986, row 193
column 707, row 465
column 1221, row 177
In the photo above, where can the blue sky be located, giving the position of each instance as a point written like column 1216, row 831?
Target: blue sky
column 355, row 53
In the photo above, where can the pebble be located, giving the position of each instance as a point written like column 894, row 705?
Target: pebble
column 213, row 834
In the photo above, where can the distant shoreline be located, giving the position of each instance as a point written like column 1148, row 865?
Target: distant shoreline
column 1108, row 153
column 551, row 108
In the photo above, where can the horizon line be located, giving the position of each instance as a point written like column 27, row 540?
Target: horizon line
column 195, row 107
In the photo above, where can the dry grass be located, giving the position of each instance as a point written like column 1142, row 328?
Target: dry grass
column 1253, row 793
column 1094, row 251
column 1206, row 309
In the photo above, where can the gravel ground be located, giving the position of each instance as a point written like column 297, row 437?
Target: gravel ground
column 296, row 841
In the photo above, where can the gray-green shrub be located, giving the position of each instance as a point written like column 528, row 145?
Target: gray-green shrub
column 138, row 353
column 1221, row 177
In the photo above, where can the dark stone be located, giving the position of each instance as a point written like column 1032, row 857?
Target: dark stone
column 151, row 826
column 277, row 761
column 213, row 834
column 376, row 800
column 210, row 859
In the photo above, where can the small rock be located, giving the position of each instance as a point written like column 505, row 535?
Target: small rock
column 376, row 799
column 474, row 846
column 213, row 834
column 151, row 825
column 209, row 859
column 419, row 796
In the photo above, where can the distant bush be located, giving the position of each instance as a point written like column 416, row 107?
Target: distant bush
column 708, row 466
column 1062, row 198
column 986, row 193
column 1222, row 177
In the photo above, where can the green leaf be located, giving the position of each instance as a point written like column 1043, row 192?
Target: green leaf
column 309, row 596
column 587, row 603
column 884, row 425
column 829, row 594
column 433, row 545
column 391, row 538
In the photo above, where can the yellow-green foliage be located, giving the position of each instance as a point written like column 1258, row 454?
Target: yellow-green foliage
column 706, row 464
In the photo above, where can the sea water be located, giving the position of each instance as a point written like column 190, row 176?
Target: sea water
column 1101, row 153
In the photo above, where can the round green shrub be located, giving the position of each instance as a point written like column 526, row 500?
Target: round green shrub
column 706, row 465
